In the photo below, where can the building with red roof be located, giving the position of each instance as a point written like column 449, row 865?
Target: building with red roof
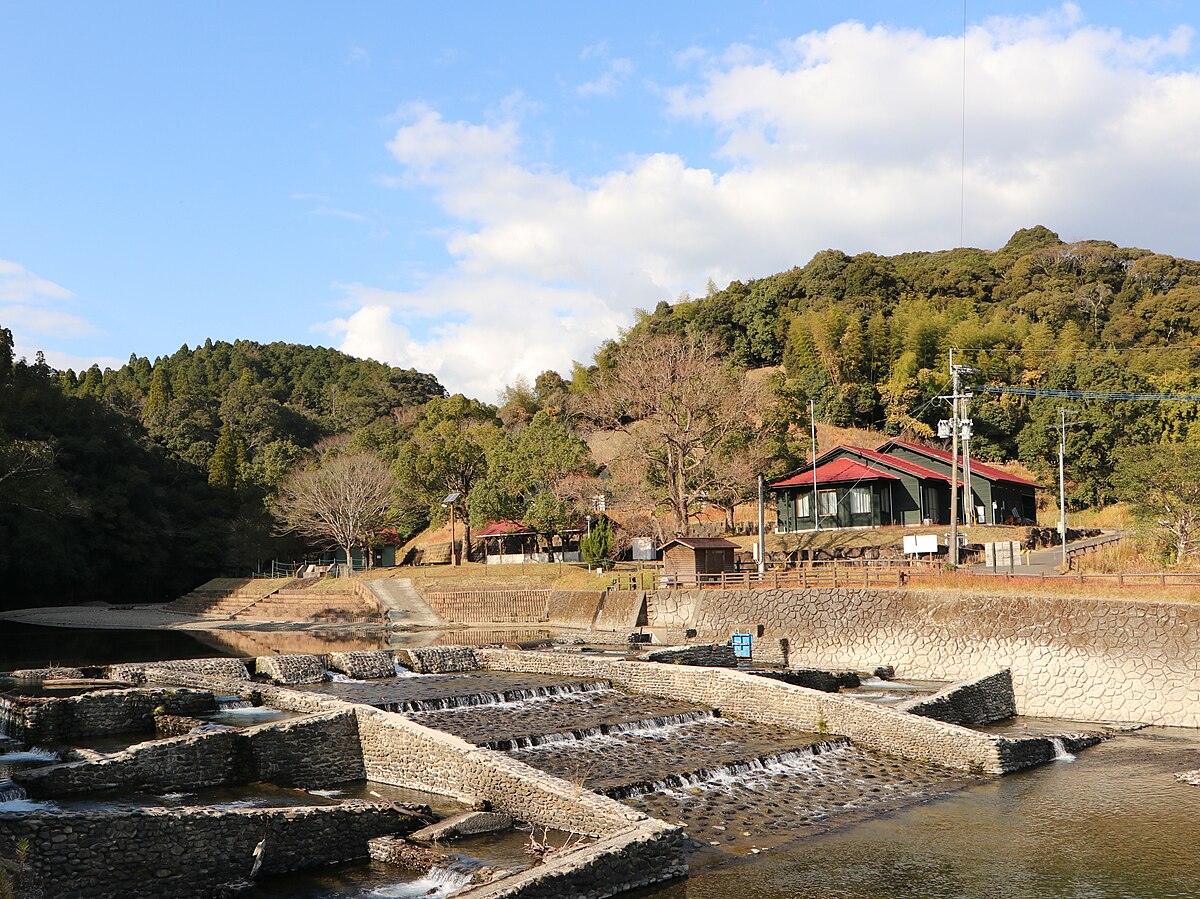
column 898, row 483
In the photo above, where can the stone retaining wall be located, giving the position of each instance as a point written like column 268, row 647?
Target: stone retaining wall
column 398, row 751
column 160, row 853
column 485, row 606
column 438, row 659
column 100, row 712
column 1071, row 657
column 983, row 700
column 743, row 695
column 363, row 665
column 620, row 611
column 292, row 670
column 647, row 853
column 313, row 752
column 574, row 608
column 711, row 655
column 46, row 673
column 134, row 672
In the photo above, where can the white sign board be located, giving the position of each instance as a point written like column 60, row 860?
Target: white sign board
column 916, row 544
column 643, row 548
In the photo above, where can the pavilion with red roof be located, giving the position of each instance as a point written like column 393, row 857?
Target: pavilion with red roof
column 506, row 542
column 898, row 483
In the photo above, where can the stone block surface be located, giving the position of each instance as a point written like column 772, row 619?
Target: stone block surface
column 363, row 665
column 291, row 670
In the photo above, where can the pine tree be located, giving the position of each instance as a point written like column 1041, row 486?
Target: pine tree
column 597, row 546
column 224, row 468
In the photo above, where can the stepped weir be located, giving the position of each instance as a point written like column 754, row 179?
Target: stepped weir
column 640, row 766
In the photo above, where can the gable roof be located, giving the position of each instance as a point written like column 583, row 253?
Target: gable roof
column 979, row 468
column 702, row 543
column 504, row 527
column 835, row 471
column 873, row 464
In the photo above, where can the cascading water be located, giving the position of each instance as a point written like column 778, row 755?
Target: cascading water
column 1060, row 750
column 499, row 698
column 440, row 881
column 13, row 798
column 401, row 671
column 660, row 725
column 743, row 773
column 28, row 756
column 10, row 791
column 225, row 703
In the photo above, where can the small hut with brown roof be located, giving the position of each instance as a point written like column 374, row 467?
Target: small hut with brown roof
column 687, row 559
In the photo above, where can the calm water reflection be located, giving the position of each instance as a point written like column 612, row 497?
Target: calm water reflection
column 1114, row 823
column 32, row 646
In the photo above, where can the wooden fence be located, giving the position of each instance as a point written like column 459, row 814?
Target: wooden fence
column 817, row 576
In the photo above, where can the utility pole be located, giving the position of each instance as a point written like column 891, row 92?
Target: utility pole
column 953, row 461
column 1062, row 482
column 968, row 499
column 812, row 420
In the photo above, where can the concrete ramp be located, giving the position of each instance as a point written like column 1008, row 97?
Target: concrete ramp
column 403, row 605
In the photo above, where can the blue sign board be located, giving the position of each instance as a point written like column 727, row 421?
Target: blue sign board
column 743, row 645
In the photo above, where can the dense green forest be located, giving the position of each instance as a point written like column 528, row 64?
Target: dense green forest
column 137, row 483
column 867, row 338
column 140, row 482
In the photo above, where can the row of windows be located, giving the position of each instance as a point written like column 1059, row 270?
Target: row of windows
column 827, row 502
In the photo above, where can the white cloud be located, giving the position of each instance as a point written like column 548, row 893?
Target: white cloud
column 63, row 361
column 358, row 56
column 32, row 308
column 19, row 285
column 609, row 81
column 848, row 137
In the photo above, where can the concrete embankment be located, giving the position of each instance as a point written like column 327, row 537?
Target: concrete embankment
column 1070, row 657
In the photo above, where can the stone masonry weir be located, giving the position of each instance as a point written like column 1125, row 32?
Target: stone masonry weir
column 342, row 734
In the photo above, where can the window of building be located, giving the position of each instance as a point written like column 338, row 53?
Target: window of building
column 860, row 500
column 804, row 506
column 827, row 502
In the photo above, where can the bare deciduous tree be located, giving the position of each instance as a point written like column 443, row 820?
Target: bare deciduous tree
column 678, row 403
column 344, row 502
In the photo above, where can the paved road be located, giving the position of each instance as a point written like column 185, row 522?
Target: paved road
column 405, row 606
column 1043, row 562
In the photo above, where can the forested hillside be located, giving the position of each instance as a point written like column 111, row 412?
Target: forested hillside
column 139, row 483
column 867, row 338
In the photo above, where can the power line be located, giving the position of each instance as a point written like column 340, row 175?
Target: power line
column 1089, row 394
column 1077, row 352
column 962, row 166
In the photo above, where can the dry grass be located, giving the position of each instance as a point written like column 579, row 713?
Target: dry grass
column 1117, row 517
column 332, row 585
column 1061, row 588
column 478, row 576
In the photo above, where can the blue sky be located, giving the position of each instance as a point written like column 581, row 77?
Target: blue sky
column 488, row 190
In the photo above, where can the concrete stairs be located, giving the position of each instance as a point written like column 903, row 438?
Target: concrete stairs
column 329, row 606
column 223, row 598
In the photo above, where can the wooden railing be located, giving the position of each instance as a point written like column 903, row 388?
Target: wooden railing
column 1115, row 579
column 830, row 575
column 1099, row 544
